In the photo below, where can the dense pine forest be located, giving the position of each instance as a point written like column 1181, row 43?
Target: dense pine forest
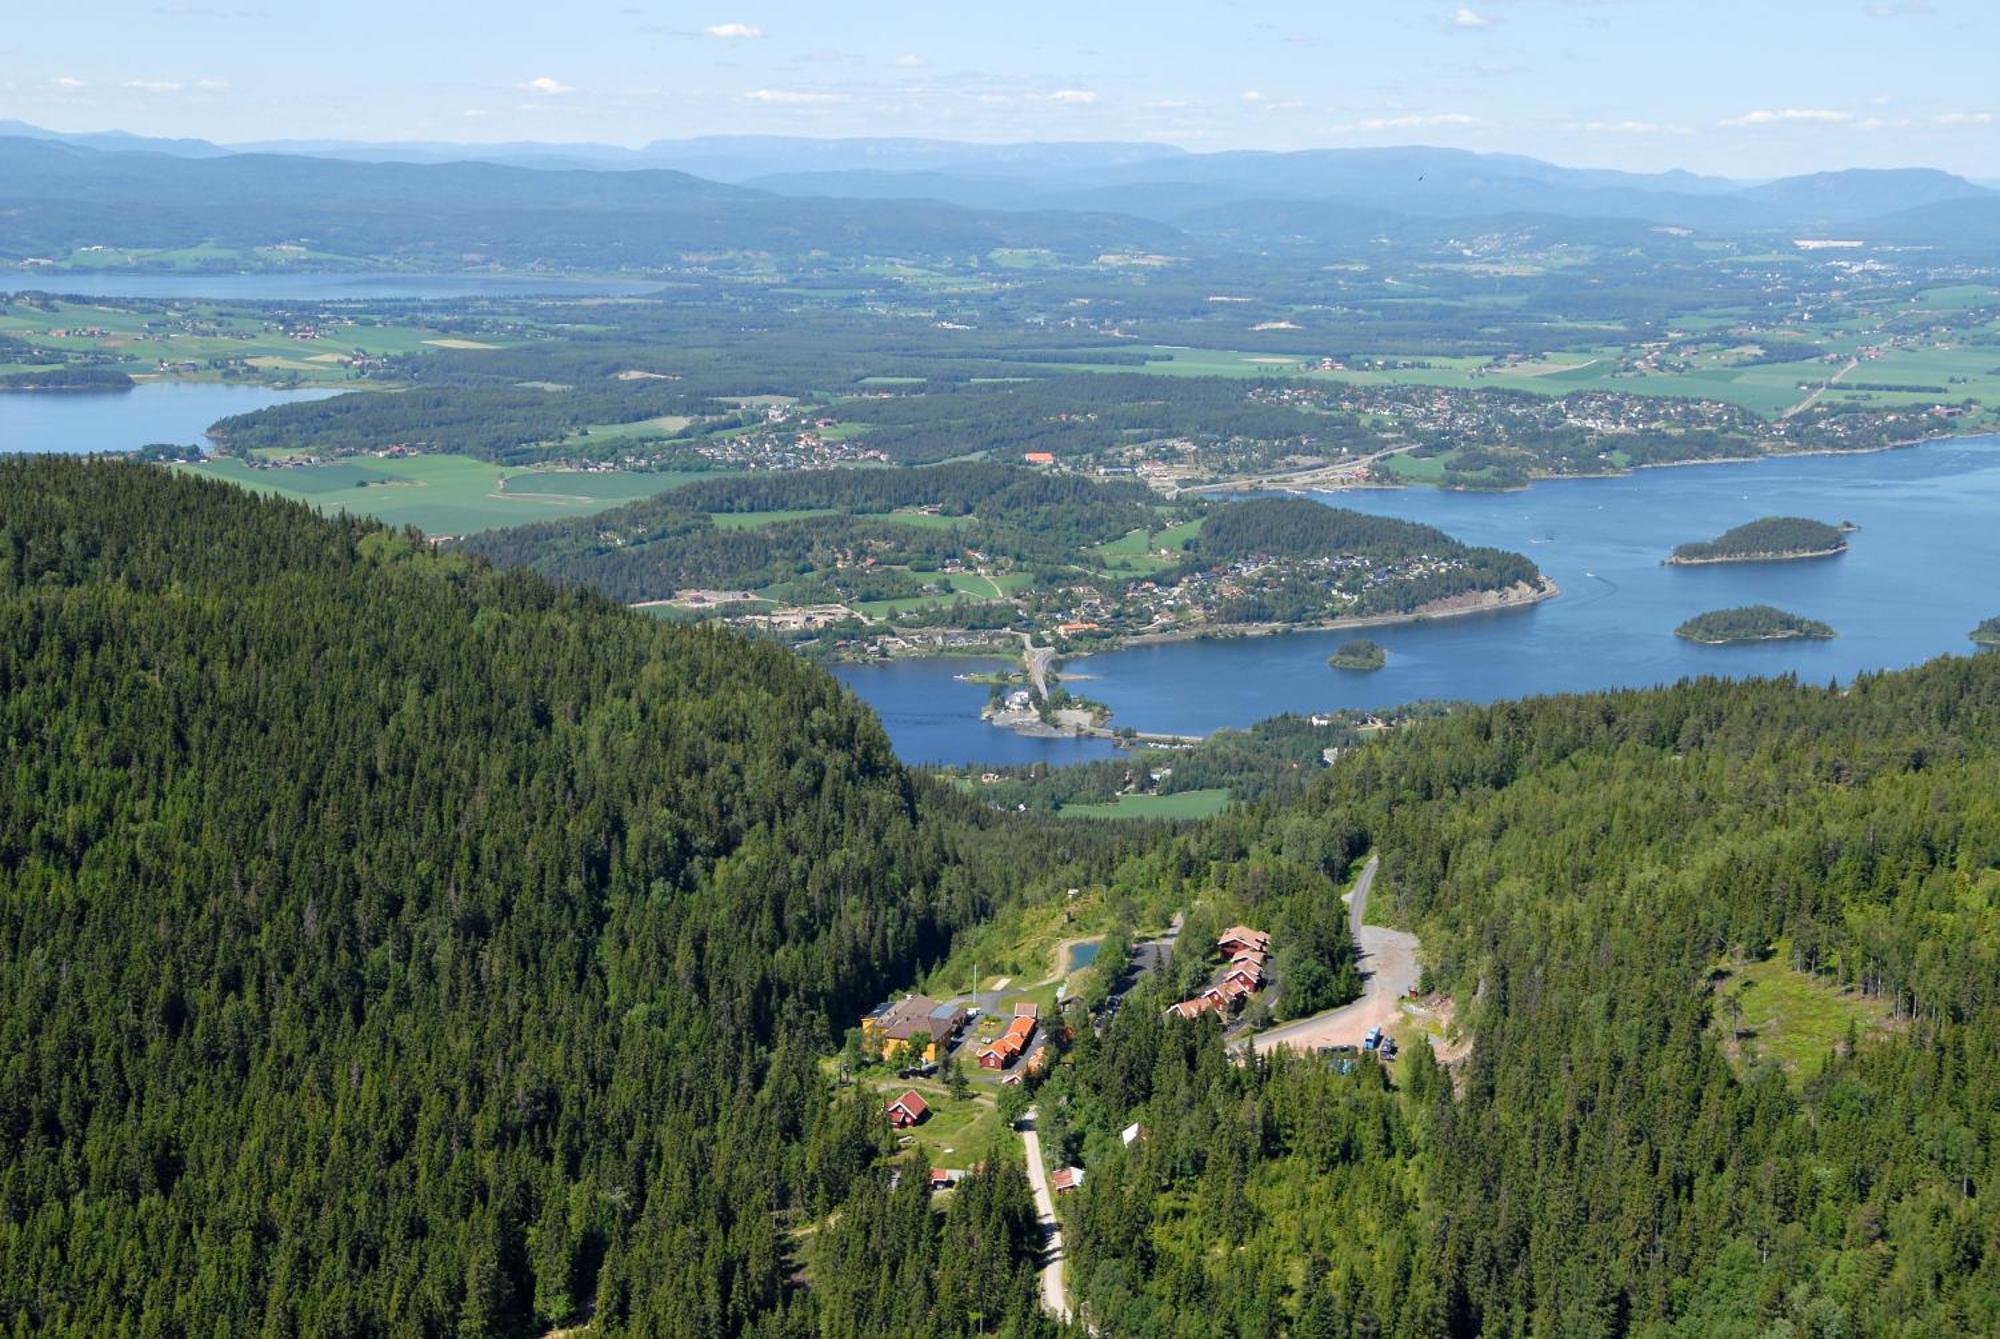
column 398, row 945
column 394, row 945
column 1613, row 1157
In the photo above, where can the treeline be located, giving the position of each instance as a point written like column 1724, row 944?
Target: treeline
column 509, row 424
column 1750, row 623
column 1278, row 757
column 1071, row 415
column 1768, row 536
column 70, row 377
column 993, row 491
column 396, row 945
column 1296, row 527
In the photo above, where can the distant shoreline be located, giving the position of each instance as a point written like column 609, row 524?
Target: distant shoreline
column 1279, row 483
column 1773, row 556
column 1518, row 596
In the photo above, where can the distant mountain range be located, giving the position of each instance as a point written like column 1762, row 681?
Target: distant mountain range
column 594, row 204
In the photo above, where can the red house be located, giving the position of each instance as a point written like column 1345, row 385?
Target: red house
column 907, row 1110
column 1237, row 938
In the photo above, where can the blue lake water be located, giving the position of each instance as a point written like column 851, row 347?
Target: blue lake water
column 934, row 718
column 83, row 421
column 1923, row 569
column 320, row 287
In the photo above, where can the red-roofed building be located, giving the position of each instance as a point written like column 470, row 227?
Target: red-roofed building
column 907, row 1110
column 1237, row 938
column 1066, row 1179
column 1000, row 1052
column 1039, row 457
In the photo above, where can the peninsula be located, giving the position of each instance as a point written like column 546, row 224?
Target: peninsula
column 1768, row 539
column 1987, row 634
column 1750, row 623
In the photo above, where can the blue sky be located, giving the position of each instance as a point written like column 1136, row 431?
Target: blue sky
column 1742, row 87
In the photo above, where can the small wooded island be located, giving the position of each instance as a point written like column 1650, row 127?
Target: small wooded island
column 1359, row 654
column 1765, row 540
column 67, row 379
column 1987, row 634
column 1751, row 623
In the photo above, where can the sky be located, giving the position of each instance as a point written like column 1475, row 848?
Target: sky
column 1744, row 88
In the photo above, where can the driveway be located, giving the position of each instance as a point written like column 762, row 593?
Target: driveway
column 1388, row 961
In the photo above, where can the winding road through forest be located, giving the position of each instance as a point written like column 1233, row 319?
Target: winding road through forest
column 1055, row 1292
column 1388, row 960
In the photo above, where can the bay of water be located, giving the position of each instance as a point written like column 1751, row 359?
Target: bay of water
column 1922, row 570
column 934, row 718
column 321, row 287
column 73, row 422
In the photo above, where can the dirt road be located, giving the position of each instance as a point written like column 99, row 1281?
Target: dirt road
column 1389, row 972
column 1055, row 1294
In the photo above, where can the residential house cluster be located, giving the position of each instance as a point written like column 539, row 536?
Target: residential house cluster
column 915, row 1023
column 1248, row 954
column 1008, row 1047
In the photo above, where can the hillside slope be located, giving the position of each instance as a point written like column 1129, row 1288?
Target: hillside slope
column 389, row 944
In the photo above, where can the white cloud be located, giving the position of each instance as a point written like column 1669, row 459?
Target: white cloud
column 212, row 85
column 1467, row 17
column 1631, row 128
column 1251, row 97
column 153, row 85
column 734, row 32
column 911, row 62
column 547, row 87
column 1413, row 121
column 1766, row 116
column 69, row 81
column 1966, row 119
column 1074, row 97
column 791, row 97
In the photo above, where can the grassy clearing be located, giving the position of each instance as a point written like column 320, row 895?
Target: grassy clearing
column 442, row 495
column 1139, row 551
column 1790, row 1017
column 1415, row 469
column 639, row 430
column 958, row 1132
column 1021, row 945
column 1182, row 804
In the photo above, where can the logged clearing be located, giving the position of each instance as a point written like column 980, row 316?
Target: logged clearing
column 1789, row 1016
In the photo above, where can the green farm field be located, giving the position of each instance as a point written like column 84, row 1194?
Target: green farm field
column 1182, row 804
column 442, row 495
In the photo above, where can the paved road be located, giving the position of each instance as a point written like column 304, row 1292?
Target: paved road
column 1055, row 1293
column 1389, row 972
column 1036, row 660
column 1820, row 390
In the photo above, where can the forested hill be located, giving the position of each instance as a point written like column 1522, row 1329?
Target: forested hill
column 653, row 547
column 1621, row 892
column 394, row 945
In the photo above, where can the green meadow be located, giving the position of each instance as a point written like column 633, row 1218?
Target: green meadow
column 443, row 495
column 1181, row 804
